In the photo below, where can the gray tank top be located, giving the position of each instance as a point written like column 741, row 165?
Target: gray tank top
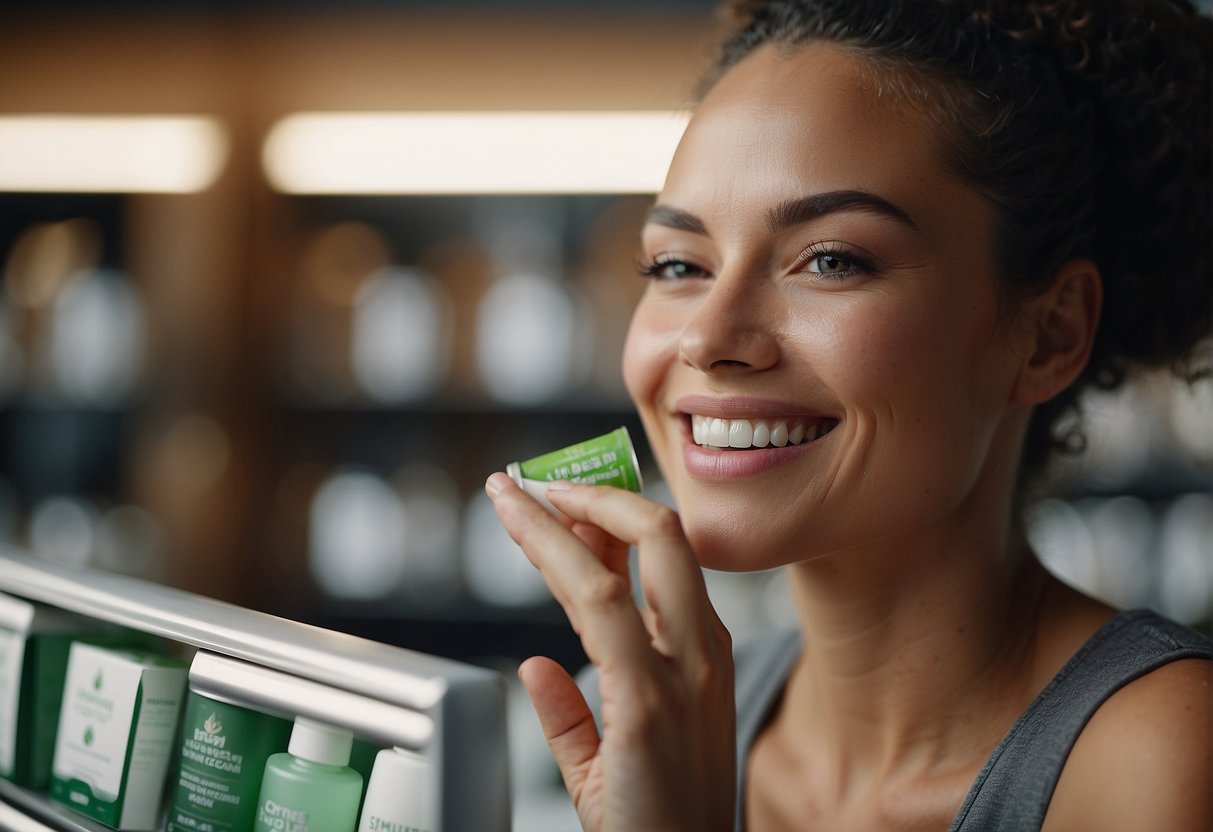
column 1013, row 789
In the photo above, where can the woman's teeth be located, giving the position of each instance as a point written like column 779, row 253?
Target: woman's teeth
column 713, row 432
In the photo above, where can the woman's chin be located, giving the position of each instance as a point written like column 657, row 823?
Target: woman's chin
column 727, row 551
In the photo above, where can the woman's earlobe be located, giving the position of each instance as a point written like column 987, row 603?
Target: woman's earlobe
column 1063, row 321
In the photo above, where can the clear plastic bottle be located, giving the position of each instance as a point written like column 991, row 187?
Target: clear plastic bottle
column 311, row 787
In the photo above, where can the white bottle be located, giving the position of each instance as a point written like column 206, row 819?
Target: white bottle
column 399, row 797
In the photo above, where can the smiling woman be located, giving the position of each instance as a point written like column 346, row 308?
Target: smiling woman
column 896, row 241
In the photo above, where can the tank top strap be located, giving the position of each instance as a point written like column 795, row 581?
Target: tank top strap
column 761, row 668
column 1013, row 789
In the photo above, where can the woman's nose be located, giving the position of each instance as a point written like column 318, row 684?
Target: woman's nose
column 733, row 330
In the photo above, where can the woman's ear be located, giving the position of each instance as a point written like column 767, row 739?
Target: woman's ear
column 1060, row 326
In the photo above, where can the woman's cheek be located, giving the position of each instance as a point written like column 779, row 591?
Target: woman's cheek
column 872, row 345
column 649, row 351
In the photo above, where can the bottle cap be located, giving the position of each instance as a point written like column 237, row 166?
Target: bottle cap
column 320, row 743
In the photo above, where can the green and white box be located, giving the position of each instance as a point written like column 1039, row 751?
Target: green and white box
column 34, row 643
column 116, row 732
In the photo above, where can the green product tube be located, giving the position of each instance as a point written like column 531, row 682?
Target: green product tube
column 223, row 752
column 609, row 459
column 311, row 787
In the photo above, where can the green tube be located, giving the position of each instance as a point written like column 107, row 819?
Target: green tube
column 609, row 459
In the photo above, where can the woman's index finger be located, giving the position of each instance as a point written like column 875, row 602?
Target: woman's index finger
column 597, row 598
column 672, row 578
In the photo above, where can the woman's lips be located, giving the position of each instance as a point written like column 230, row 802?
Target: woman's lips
column 716, row 449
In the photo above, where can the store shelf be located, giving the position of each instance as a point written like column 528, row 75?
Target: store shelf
column 453, row 712
column 24, row 811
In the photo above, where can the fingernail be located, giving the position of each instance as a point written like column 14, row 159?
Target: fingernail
column 560, row 485
column 495, row 483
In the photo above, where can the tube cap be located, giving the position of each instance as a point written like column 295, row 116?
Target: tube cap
column 319, row 743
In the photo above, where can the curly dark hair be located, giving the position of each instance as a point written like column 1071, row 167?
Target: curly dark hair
column 1085, row 123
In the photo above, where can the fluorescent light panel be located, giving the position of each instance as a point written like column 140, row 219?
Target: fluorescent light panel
column 472, row 152
column 110, row 154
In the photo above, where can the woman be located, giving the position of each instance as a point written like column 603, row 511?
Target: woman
column 895, row 243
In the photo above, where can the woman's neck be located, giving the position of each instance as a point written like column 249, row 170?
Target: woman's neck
column 915, row 660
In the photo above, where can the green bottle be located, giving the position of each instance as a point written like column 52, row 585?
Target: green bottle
column 311, row 787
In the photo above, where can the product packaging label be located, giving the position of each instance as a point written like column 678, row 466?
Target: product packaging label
column 116, row 727
column 274, row 816
column 609, row 459
column 223, row 750
column 374, row 823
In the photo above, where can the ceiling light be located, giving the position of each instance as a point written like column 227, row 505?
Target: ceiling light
column 472, row 152
column 110, row 154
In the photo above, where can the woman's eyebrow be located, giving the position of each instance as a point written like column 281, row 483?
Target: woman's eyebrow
column 795, row 211
column 789, row 213
column 675, row 218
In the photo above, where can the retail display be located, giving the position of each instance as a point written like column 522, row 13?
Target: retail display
column 250, row 674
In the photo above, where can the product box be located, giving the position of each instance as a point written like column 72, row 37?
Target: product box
column 116, row 731
column 34, row 644
column 222, row 752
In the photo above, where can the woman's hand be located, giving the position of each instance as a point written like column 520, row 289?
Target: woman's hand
column 666, row 757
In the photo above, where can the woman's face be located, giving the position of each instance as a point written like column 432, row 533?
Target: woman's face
column 817, row 272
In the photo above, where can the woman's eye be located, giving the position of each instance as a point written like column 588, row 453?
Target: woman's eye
column 831, row 264
column 671, row 270
column 835, row 263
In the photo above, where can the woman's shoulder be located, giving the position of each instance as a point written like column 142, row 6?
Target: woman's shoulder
column 1144, row 759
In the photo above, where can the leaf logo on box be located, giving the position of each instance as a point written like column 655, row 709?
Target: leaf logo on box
column 97, row 681
column 210, row 732
column 88, row 735
column 212, row 725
